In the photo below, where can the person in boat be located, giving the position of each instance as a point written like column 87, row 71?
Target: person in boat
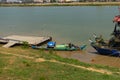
column 116, row 18
column 116, row 31
column 70, row 45
column 100, row 41
column 115, row 40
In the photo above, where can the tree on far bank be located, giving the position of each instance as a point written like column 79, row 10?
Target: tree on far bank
column 52, row 1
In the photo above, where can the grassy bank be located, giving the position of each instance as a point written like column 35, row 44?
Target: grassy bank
column 13, row 66
column 64, row 4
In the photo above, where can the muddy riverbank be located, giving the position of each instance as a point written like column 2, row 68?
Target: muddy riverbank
column 90, row 56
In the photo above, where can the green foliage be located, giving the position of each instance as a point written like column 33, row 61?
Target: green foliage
column 25, row 45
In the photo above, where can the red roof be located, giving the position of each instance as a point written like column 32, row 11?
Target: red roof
column 116, row 18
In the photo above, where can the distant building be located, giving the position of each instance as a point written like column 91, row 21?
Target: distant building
column 38, row 1
column 27, row 1
column 71, row 0
column 42, row 1
column 61, row 1
column 13, row 1
column 67, row 0
column 48, row 1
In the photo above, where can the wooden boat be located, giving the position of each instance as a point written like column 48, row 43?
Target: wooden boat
column 111, row 47
column 61, row 47
column 105, row 51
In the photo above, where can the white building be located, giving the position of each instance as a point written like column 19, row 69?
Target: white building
column 67, row 0
column 61, row 1
column 12, row 1
column 39, row 1
column 48, row 1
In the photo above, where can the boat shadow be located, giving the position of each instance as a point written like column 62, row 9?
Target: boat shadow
column 96, row 53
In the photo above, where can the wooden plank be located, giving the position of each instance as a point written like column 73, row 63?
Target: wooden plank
column 17, row 39
column 30, row 39
column 10, row 43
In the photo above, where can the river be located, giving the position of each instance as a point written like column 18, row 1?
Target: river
column 74, row 24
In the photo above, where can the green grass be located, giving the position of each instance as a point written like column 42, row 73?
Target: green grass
column 49, row 71
column 52, row 55
column 19, row 68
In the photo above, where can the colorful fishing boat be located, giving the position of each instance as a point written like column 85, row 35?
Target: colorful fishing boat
column 60, row 47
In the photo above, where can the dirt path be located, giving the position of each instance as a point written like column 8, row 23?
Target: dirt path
column 77, row 66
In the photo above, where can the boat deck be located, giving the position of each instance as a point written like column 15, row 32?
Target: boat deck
column 17, row 39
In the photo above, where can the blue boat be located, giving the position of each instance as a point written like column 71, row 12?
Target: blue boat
column 106, row 51
column 112, row 46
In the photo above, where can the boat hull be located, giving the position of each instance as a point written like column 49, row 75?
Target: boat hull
column 60, row 47
column 56, row 49
column 106, row 51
